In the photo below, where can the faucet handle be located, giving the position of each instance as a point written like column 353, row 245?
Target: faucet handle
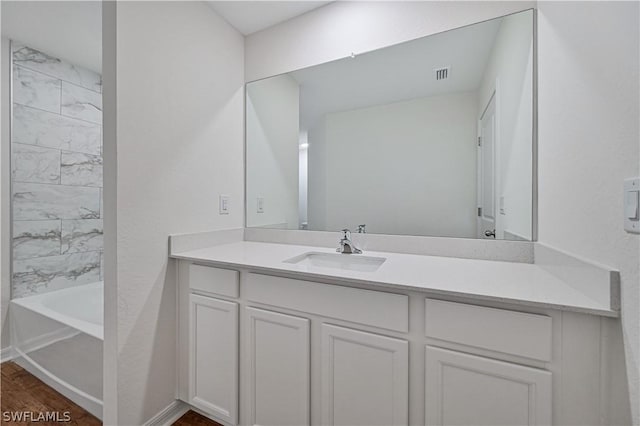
column 346, row 234
column 362, row 229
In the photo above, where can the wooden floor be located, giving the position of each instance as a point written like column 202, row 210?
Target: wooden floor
column 21, row 391
column 193, row 418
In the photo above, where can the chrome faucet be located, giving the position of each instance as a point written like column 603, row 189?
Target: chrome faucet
column 362, row 229
column 346, row 245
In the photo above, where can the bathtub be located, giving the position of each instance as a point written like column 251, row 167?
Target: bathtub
column 58, row 337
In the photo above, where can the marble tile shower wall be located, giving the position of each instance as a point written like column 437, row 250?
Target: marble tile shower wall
column 56, row 141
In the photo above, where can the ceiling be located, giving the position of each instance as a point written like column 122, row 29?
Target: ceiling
column 249, row 17
column 69, row 30
column 401, row 72
column 72, row 30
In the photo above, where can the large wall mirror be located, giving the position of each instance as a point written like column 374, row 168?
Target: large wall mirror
column 430, row 137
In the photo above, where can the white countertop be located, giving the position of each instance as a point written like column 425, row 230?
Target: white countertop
column 518, row 283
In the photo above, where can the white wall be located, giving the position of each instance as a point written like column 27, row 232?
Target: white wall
column 5, row 196
column 317, row 178
column 38, row 25
column 340, row 28
column 272, row 153
column 509, row 67
column 179, row 144
column 417, row 157
column 110, row 214
column 588, row 143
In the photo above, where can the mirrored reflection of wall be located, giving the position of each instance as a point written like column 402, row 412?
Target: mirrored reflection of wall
column 402, row 168
column 56, row 142
column 510, row 66
column 272, row 162
column 384, row 141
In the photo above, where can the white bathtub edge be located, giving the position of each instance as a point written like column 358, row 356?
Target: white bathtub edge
column 86, row 401
column 45, row 340
column 34, row 304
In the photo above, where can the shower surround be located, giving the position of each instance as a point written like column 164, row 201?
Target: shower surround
column 56, row 141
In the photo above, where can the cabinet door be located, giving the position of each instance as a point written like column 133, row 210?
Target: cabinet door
column 278, row 371
column 213, row 361
column 462, row 389
column 365, row 378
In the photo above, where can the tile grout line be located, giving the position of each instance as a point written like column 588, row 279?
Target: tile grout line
column 22, row 65
column 56, row 149
column 61, row 185
column 58, row 255
column 59, row 115
column 76, row 100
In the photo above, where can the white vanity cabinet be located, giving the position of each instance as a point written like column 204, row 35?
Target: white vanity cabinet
column 257, row 349
column 463, row 389
column 365, row 378
column 213, row 361
column 213, row 333
column 277, row 368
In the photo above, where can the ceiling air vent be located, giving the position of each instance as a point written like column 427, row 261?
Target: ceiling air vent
column 442, row 73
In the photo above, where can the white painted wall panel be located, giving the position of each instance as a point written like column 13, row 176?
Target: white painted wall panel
column 589, row 56
column 340, row 28
column 179, row 145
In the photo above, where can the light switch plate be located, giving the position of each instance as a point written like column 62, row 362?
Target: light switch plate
column 631, row 205
column 260, row 205
column 224, row 204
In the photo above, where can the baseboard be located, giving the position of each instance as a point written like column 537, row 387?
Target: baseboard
column 6, row 354
column 169, row 414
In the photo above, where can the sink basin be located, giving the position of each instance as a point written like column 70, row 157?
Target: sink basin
column 345, row 262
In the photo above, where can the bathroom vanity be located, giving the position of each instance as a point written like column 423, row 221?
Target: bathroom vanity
column 406, row 141
column 286, row 334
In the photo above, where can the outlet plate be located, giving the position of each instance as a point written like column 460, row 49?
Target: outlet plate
column 631, row 205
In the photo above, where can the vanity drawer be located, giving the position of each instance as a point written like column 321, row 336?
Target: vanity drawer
column 500, row 330
column 375, row 308
column 207, row 279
